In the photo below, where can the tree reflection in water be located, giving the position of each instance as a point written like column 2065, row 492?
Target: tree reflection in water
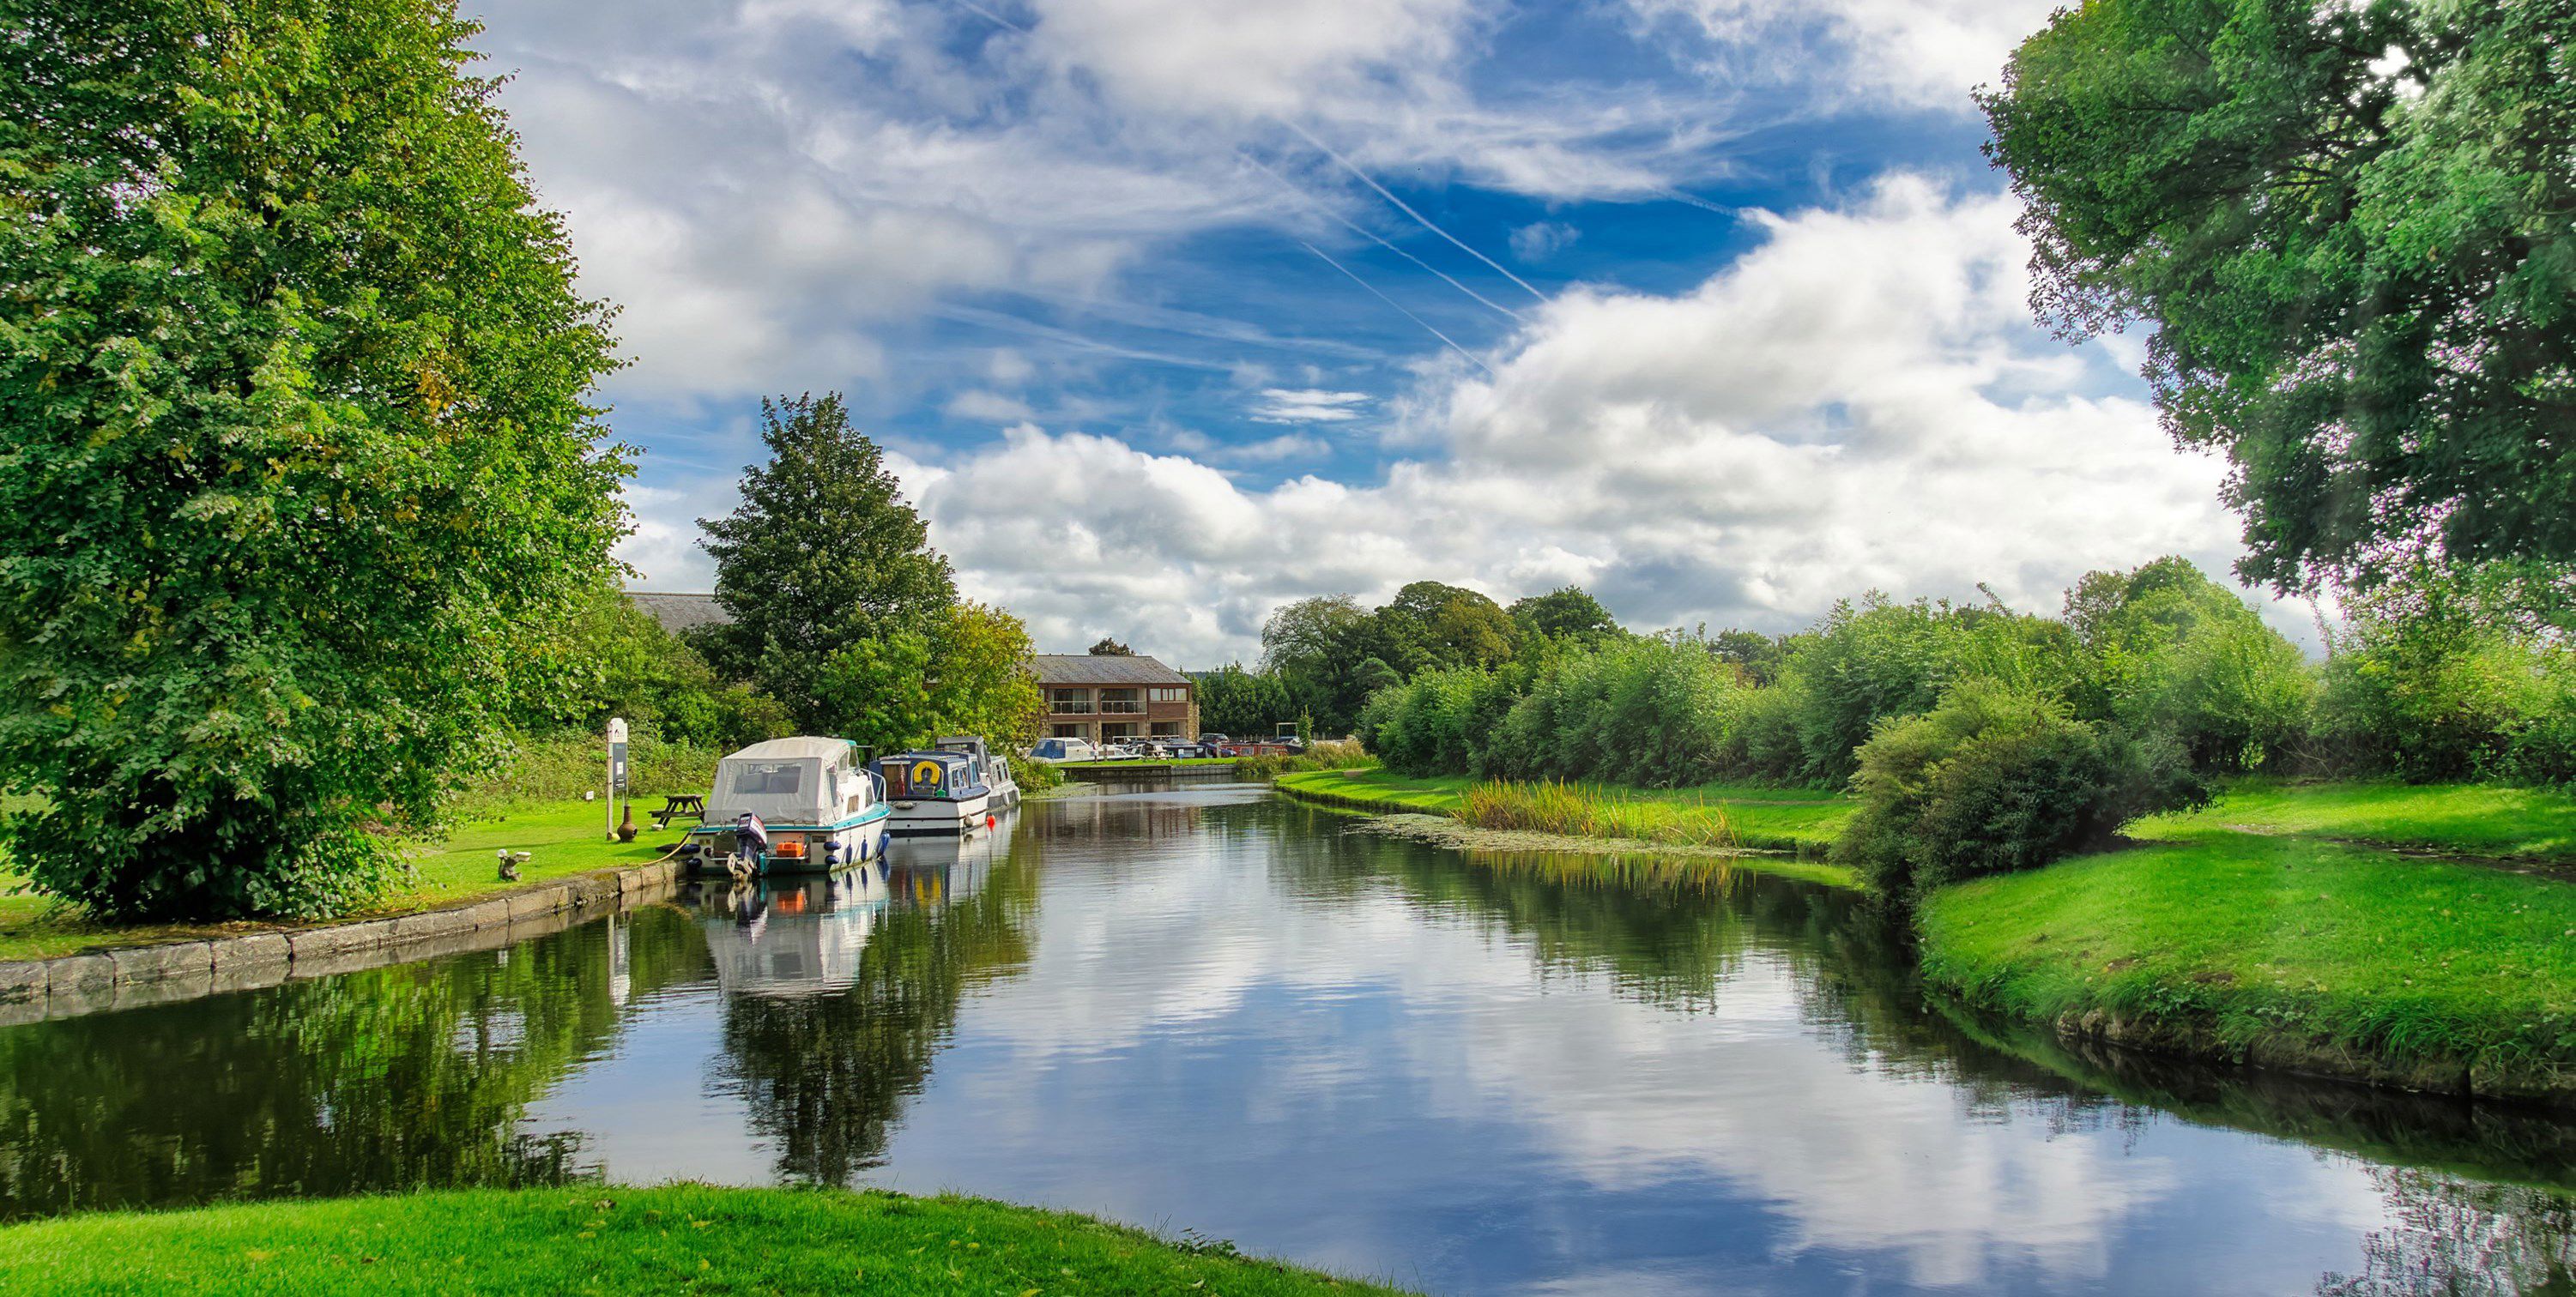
column 1670, row 933
column 825, row 1065
column 393, row 1078
column 2456, row 1238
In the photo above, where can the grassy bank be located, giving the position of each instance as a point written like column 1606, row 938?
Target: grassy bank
column 563, row 838
column 1767, row 818
column 611, row 1240
column 2301, row 927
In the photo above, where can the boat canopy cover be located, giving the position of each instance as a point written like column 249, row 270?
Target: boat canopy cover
column 789, row 781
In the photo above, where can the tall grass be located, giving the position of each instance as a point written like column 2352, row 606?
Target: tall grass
column 1332, row 754
column 1577, row 810
column 566, row 766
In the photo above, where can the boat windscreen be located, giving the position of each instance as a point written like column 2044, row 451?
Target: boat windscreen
column 780, row 792
column 779, row 779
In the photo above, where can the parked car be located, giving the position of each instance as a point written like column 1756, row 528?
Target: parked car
column 1057, row 751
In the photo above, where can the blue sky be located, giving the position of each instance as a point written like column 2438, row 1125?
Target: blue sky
column 1170, row 310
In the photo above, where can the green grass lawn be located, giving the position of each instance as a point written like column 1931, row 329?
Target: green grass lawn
column 2256, row 922
column 2467, row 819
column 1806, row 819
column 617, row 1240
column 563, row 838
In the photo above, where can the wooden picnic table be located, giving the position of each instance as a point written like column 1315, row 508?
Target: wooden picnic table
column 678, row 804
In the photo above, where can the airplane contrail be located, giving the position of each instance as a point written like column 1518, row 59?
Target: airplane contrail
column 1389, row 195
column 1382, row 242
column 988, row 15
column 1472, row 358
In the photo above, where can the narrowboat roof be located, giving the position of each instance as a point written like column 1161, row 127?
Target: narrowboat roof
column 924, row 754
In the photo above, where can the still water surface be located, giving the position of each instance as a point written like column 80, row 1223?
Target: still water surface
column 1216, row 1012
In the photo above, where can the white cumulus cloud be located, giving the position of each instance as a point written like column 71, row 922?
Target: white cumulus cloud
column 1861, row 401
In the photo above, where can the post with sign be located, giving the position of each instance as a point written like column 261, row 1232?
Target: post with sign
column 616, row 770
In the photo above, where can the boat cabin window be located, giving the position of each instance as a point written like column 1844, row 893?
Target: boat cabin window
column 784, row 779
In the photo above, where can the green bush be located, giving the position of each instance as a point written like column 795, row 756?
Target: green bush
column 615, row 660
column 1997, row 779
column 2168, row 650
column 1436, row 721
column 2445, row 676
column 1877, row 659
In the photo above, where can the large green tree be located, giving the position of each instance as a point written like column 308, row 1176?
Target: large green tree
column 299, row 452
column 2354, row 230
column 1431, row 625
column 1567, row 613
column 822, row 554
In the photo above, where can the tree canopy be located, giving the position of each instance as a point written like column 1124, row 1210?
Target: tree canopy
column 821, row 554
column 2354, row 229
column 301, row 456
column 1569, row 612
column 841, row 607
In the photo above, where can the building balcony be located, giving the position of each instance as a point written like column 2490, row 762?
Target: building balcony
column 1070, row 707
column 1122, row 709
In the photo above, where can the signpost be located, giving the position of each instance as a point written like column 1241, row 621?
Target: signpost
column 616, row 770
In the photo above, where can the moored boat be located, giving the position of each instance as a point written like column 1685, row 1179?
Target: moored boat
column 935, row 791
column 790, row 806
column 996, row 770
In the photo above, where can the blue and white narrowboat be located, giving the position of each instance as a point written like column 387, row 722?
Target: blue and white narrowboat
column 790, row 806
column 935, row 791
column 996, row 770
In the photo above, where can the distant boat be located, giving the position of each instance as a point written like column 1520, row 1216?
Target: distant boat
column 934, row 790
column 997, row 770
column 790, row 806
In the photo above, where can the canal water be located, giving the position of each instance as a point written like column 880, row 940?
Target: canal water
column 1209, row 1011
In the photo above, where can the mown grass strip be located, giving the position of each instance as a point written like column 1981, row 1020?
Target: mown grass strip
column 562, row 839
column 615, row 1240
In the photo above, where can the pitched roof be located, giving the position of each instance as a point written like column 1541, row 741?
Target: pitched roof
column 1103, row 669
column 679, row 612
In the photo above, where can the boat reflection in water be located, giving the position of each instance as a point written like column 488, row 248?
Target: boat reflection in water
column 927, row 873
column 785, row 936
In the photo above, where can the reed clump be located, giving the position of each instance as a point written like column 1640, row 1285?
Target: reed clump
column 1579, row 810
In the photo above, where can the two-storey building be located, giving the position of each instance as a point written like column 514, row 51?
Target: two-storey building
column 1108, row 698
